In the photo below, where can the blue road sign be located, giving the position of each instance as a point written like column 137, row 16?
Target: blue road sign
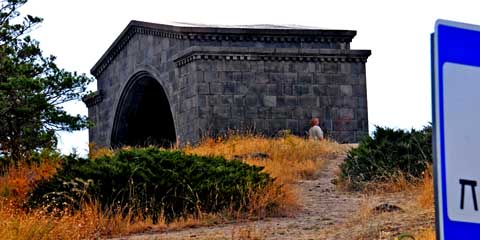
column 456, row 126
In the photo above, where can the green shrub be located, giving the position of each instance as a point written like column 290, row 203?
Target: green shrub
column 148, row 181
column 388, row 154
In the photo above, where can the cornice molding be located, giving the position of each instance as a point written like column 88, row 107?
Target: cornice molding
column 278, row 54
column 93, row 99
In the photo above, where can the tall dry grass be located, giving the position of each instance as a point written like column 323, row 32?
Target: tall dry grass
column 425, row 193
column 289, row 158
column 90, row 223
column 18, row 224
column 426, row 200
column 20, row 179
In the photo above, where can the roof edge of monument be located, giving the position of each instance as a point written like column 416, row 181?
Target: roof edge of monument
column 276, row 33
column 269, row 54
column 260, row 29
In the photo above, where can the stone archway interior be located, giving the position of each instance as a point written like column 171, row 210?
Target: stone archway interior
column 144, row 117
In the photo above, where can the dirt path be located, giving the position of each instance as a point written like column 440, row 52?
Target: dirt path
column 324, row 207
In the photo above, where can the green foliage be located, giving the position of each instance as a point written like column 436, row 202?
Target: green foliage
column 387, row 154
column 32, row 89
column 148, row 181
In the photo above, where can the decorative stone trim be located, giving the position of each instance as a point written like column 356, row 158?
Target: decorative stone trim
column 278, row 38
column 156, row 32
column 93, row 99
column 219, row 34
column 282, row 55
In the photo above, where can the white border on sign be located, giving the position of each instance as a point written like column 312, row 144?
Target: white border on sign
column 438, row 176
column 437, row 157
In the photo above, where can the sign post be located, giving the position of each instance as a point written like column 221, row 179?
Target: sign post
column 456, row 127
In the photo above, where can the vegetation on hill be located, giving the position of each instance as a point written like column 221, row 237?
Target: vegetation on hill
column 287, row 159
column 388, row 154
column 152, row 182
column 393, row 167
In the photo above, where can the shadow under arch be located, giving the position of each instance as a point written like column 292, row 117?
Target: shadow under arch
column 143, row 116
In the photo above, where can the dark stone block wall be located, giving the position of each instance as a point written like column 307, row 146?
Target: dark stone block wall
column 218, row 79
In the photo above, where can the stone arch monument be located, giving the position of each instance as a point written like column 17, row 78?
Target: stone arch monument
column 158, row 84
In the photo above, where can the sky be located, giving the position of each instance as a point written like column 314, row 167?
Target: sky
column 397, row 32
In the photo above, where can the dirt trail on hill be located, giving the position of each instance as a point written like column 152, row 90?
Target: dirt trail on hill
column 323, row 208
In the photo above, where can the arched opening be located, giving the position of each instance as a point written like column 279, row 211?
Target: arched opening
column 143, row 116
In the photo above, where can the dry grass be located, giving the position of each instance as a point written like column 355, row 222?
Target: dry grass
column 399, row 183
column 425, row 194
column 426, row 234
column 426, row 200
column 274, row 200
column 415, row 220
column 18, row 223
column 20, row 179
column 249, row 232
column 96, row 152
column 410, row 222
column 289, row 160
column 90, row 223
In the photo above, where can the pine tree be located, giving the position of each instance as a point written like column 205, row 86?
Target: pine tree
column 32, row 89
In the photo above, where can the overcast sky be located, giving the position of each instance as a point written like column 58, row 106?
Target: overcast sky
column 397, row 32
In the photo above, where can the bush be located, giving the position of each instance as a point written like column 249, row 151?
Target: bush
column 387, row 155
column 149, row 182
